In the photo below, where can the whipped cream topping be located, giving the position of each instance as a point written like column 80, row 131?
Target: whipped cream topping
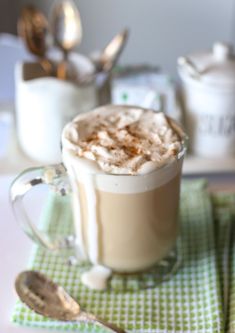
column 124, row 139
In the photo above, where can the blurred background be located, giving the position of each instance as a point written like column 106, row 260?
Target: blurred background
column 161, row 30
column 34, row 109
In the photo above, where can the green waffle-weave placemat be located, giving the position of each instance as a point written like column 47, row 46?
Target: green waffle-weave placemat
column 224, row 208
column 189, row 302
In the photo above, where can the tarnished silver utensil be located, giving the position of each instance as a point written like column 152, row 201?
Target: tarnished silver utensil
column 110, row 54
column 66, row 28
column 45, row 297
column 33, row 29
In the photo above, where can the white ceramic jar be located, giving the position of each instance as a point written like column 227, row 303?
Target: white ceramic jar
column 208, row 79
column 45, row 104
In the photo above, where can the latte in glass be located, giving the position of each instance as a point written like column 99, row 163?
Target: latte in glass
column 124, row 164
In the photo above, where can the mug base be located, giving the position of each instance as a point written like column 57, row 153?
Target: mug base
column 162, row 271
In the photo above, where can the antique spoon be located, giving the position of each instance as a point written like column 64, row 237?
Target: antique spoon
column 110, row 54
column 67, row 31
column 45, row 297
column 33, row 29
column 104, row 62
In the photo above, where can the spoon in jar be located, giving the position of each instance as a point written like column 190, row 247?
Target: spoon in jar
column 67, row 31
column 33, row 29
column 46, row 298
column 110, row 54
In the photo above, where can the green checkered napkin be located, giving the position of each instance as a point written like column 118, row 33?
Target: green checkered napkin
column 224, row 205
column 189, row 302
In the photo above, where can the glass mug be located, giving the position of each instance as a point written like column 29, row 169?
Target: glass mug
column 127, row 223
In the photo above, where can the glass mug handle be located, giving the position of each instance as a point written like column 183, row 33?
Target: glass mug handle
column 55, row 176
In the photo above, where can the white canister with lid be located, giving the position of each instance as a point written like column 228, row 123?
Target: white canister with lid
column 209, row 100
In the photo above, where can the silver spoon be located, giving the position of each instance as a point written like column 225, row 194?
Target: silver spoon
column 67, row 30
column 104, row 62
column 33, row 28
column 110, row 54
column 45, row 297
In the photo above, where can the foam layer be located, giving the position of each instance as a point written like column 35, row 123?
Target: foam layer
column 123, row 139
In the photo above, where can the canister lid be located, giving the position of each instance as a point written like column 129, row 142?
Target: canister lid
column 215, row 67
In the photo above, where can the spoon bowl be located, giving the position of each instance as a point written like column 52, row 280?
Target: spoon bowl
column 66, row 25
column 66, row 28
column 33, row 28
column 48, row 299
column 110, row 54
column 45, row 297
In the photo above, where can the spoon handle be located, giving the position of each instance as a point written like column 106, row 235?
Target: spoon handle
column 62, row 67
column 61, row 70
column 46, row 66
column 87, row 317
